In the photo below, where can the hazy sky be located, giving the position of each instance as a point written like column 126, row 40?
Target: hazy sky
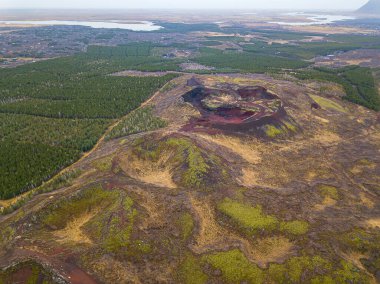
column 171, row 4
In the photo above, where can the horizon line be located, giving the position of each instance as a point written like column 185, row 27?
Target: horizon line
column 169, row 9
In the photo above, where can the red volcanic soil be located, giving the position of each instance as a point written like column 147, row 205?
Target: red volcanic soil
column 22, row 275
column 228, row 109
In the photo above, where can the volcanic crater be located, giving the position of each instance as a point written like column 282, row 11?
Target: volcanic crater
column 234, row 108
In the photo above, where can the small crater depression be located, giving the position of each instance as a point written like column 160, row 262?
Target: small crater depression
column 234, row 109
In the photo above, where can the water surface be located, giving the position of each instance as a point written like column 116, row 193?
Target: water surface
column 314, row 19
column 133, row 26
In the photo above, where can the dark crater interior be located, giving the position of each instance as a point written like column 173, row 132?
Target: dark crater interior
column 234, row 109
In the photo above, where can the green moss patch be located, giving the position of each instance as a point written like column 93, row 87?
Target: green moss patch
column 7, row 235
column 328, row 191
column 277, row 273
column 296, row 266
column 272, row 131
column 290, row 126
column 190, row 271
column 361, row 240
column 249, row 217
column 349, row 274
column 366, row 243
column 294, row 227
column 328, row 104
column 114, row 228
column 197, row 167
column 314, row 269
column 103, row 164
column 118, row 236
column 252, row 219
column 186, row 223
column 285, row 128
column 235, row 267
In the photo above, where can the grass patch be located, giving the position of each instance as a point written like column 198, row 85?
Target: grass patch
column 197, row 168
column 119, row 232
column 253, row 219
column 113, row 228
column 235, row 267
column 296, row 266
column 366, row 163
column 361, row 240
column 349, row 274
column 328, row 104
column 190, row 271
column 294, row 227
column 187, row 225
column 272, row 131
column 365, row 242
column 7, row 235
column 290, row 126
column 277, row 273
column 315, row 269
column 103, row 164
column 328, row 191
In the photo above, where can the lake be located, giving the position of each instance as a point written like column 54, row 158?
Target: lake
column 315, row 19
column 133, row 26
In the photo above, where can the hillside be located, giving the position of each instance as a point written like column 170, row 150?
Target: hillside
column 372, row 7
column 216, row 179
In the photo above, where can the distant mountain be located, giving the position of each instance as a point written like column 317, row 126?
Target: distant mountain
column 372, row 7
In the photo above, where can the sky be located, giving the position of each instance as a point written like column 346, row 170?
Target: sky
column 183, row 4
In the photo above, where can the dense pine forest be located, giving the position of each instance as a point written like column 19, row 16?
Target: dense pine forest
column 54, row 110
column 358, row 83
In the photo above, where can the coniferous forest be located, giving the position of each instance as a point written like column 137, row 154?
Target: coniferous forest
column 54, row 110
